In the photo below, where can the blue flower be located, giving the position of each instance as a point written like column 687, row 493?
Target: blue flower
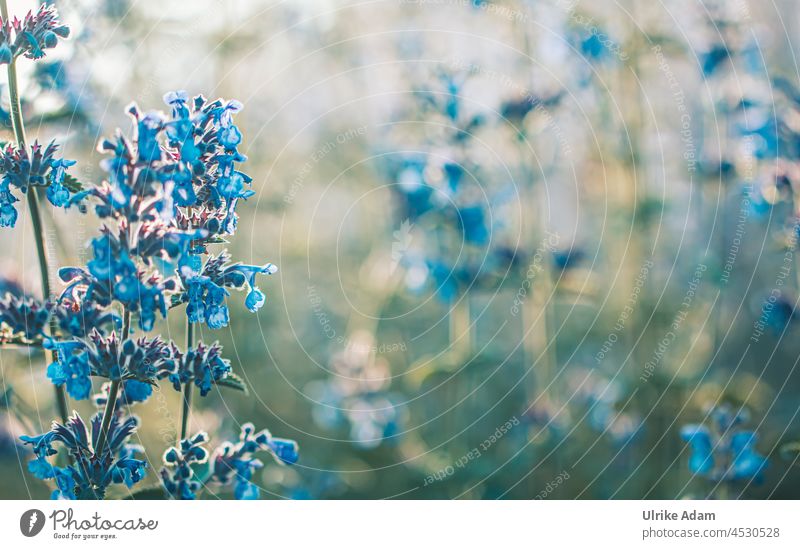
column 38, row 31
column 747, row 462
column 230, row 137
column 133, row 360
column 112, row 274
column 255, row 298
column 354, row 396
column 178, row 475
column 90, row 474
column 246, row 490
column 22, row 170
column 201, row 365
column 206, row 302
column 701, row 460
column 204, row 140
column 40, row 468
column 65, row 484
column 71, row 368
column 234, row 462
column 205, row 293
column 8, row 214
column 23, row 316
column 724, row 451
column 473, row 224
column 79, row 319
column 131, row 391
column 57, row 193
column 148, row 128
column 712, row 59
column 139, row 359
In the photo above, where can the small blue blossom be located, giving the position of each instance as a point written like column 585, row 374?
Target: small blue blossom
column 205, row 293
column 177, row 475
column 206, row 302
column 71, row 368
column 234, row 462
column 255, row 298
column 605, row 398
column 473, row 224
column 58, row 195
column 131, row 392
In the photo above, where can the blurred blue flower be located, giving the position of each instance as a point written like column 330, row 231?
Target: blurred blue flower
column 357, row 395
column 723, row 451
column 23, row 316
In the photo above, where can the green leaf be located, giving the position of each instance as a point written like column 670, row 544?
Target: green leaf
column 152, row 492
column 72, row 184
column 216, row 240
column 232, row 381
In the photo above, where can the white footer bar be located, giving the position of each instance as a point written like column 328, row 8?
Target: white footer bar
column 406, row 524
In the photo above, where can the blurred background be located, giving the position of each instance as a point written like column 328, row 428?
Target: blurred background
column 522, row 244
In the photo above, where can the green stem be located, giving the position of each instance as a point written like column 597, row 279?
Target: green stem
column 460, row 328
column 537, row 345
column 34, row 208
column 187, row 388
column 111, row 404
column 108, row 413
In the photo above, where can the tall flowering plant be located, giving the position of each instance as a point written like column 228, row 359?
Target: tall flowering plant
column 169, row 195
column 440, row 187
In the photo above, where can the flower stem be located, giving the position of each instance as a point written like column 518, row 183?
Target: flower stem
column 107, row 414
column 111, row 403
column 187, row 388
column 34, row 208
column 460, row 327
